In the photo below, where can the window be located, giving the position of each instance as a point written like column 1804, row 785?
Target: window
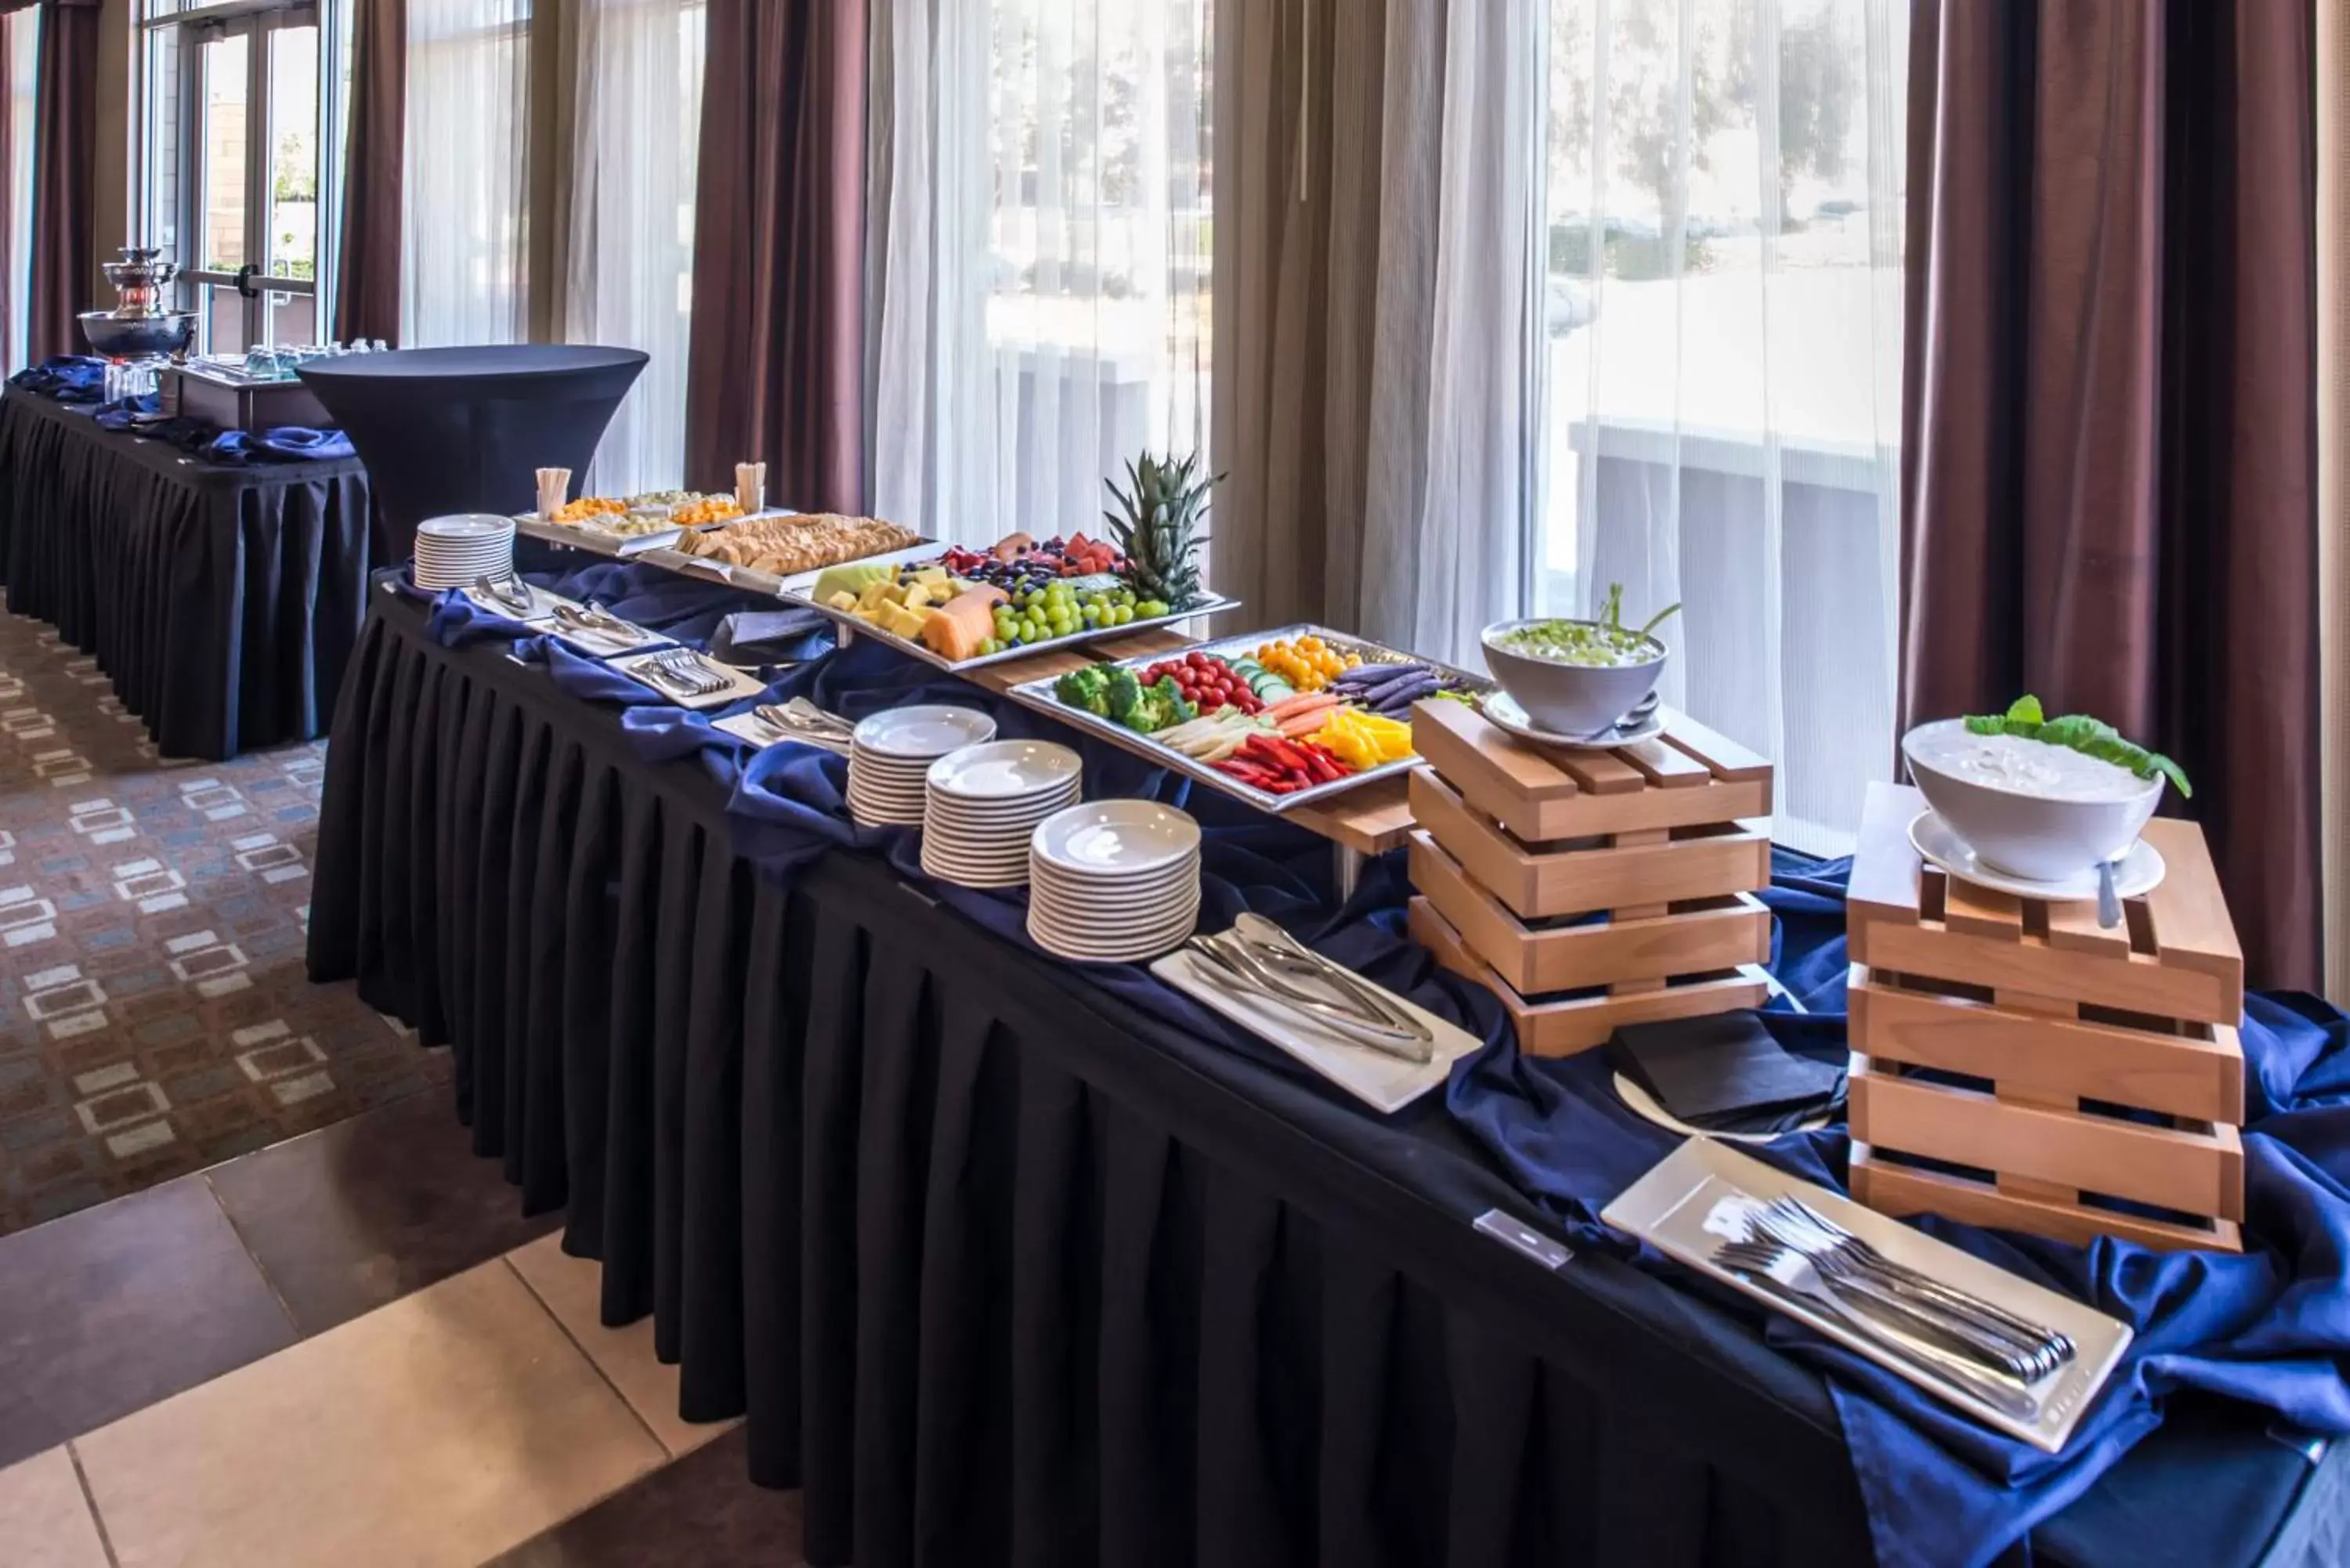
column 234, row 129
column 464, row 229
column 1720, row 362
column 629, row 276
column 1044, row 238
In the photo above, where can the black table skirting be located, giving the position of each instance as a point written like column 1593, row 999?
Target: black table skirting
column 1000, row 1270
column 222, row 601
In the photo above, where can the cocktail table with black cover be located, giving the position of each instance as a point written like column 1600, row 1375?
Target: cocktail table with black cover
column 462, row 430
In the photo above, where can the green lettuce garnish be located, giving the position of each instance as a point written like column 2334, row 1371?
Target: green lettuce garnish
column 2024, row 719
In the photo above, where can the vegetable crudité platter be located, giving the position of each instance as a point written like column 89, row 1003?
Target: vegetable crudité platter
column 1279, row 718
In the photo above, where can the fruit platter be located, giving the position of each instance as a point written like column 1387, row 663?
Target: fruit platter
column 1279, row 719
column 963, row 607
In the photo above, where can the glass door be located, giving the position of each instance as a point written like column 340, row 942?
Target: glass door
column 250, row 133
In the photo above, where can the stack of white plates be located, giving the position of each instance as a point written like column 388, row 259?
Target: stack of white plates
column 889, row 752
column 985, row 804
column 1114, row 881
column 451, row 552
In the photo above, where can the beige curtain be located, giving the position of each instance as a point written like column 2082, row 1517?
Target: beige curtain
column 2332, row 78
column 1374, row 251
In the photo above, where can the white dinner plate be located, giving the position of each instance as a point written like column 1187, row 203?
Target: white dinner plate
column 1179, row 880
column 465, row 525
column 1117, row 837
column 924, row 731
column 1143, row 897
column 1036, row 804
column 1510, row 714
column 2140, row 871
column 1005, row 771
column 1140, row 949
column 1112, row 941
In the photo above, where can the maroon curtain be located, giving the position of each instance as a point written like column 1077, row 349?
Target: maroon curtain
column 64, row 138
column 368, row 259
column 777, row 361
column 2109, row 460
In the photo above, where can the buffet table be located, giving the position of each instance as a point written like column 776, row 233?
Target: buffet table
column 1001, row 1262
column 221, row 600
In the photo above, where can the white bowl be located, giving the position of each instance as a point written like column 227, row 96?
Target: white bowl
column 2024, row 835
column 1570, row 699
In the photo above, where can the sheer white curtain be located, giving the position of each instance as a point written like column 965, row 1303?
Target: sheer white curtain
column 629, row 261
column 1720, row 345
column 1039, row 235
column 465, row 228
column 20, row 40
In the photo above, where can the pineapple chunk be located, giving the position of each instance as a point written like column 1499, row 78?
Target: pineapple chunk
column 931, row 577
column 903, row 622
column 918, row 593
column 875, row 596
column 842, row 599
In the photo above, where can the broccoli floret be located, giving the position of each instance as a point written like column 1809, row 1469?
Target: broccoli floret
column 1087, row 689
column 1179, row 710
column 1124, row 694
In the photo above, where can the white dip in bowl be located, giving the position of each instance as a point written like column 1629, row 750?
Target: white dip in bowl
column 2028, row 808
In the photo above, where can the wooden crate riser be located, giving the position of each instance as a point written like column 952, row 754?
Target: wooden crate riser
column 1900, row 1191
column 1703, row 859
column 1563, row 1027
column 1695, row 938
column 1689, row 776
column 2195, row 1167
column 2078, row 1032
column 2198, row 1077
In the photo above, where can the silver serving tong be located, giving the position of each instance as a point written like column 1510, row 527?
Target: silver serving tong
column 591, row 616
column 801, row 719
column 1231, row 964
column 510, row 591
column 683, row 670
column 1283, row 951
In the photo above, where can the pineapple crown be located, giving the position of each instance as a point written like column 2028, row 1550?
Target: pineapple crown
column 1159, row 533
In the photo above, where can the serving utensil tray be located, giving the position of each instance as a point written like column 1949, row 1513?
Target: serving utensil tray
column 1039, row 694
column 1670, row 1208
column 2056, row 1064
column 1591, row 889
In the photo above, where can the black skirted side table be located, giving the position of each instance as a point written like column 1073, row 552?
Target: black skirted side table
column 463, row 430
column 221, row 600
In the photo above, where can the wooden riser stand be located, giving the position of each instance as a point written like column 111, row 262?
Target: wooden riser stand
column 1590, row 889
column 2098, row 1065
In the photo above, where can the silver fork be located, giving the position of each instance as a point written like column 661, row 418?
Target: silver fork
column 590, row 616
column 2027, row 1356
column 683, row 670
column 1796, row 1213
column 1789, row 1275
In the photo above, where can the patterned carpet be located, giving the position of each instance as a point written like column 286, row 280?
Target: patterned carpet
column 154, row 1018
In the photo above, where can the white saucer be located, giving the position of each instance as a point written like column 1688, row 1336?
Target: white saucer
column 1004, row 771
column 923, row 731
column 1636, row 1100
column 2140, row 871
column 1507, row 712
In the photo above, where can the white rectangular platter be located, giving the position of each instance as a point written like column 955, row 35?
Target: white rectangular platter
column 1039, row 694
column 1670, row 1208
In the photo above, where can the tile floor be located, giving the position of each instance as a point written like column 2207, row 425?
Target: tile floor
column 485, row 1417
